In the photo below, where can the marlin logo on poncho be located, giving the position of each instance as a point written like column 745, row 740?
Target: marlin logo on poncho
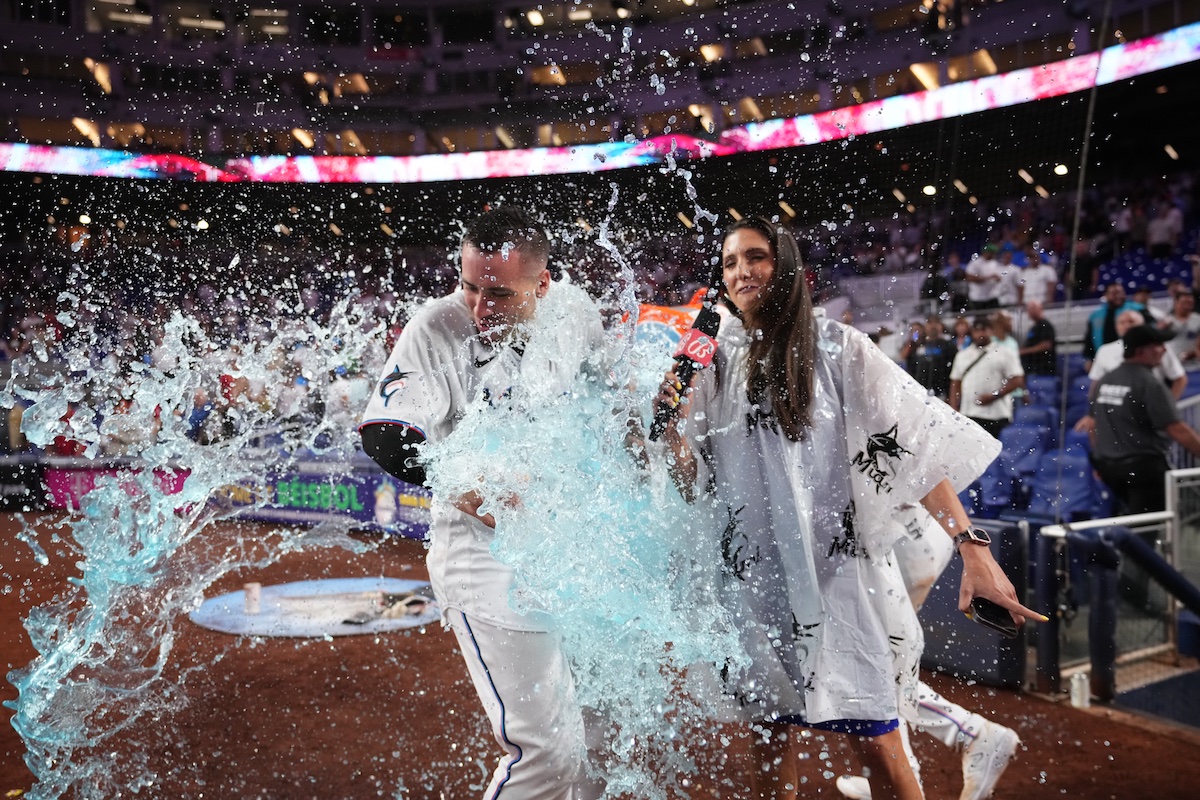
column 867, row 461
column 885, row 443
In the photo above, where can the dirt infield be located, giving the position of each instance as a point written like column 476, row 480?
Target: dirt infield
column 395, row 716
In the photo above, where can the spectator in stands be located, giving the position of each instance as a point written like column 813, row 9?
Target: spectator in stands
column 1002, row 330
column 1184, row 326
column 983, row 378
column 983, row 280
column 962, row 333
column 935, row 291
column 1102, row 324
column 1141, row 302
column 1008, row 290
column 1162, row 232
column 929, row 360
column 959, row 286
column 1135, row 421
column 1169, row 372
column 1038, row 352
column 1038, row 281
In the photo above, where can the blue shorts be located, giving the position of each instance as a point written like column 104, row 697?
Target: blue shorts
column 852, row 727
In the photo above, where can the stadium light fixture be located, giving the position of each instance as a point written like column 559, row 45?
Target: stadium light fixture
column 579, row 14
column 733, row 212
column 899, row 195
column 1025, row 176
column 535, row 18
column 202, row 24
column 687, row 223
column 1060, row 169
column 100, row 73
column 1042, row 192
column 504, row 137
column 84, row 219
column 787, row 209
column 929, row 189
column 88, row 129
column 1171, row 152
column 303, row 137
column 962, row 187
column 926, row 74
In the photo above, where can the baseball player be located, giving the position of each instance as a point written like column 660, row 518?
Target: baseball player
column 922, row 554
column 458, row 350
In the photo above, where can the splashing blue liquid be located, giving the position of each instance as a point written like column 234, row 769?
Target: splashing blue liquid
column 104, row 642
column 604, row 548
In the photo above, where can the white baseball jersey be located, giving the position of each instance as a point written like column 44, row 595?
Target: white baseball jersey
column 810, row 525
column 438, row 367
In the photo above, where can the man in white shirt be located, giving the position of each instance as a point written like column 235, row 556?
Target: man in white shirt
column 1038, row 282
column 1184, row 324
column 984, row 277
column 983, row 378
column 1008, row 291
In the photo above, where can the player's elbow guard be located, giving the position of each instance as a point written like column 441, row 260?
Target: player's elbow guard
column 394, row 448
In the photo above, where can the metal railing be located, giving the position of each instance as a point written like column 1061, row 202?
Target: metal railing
column 1060, row 644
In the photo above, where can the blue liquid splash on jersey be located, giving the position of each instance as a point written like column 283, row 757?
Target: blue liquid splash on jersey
column 604, row 547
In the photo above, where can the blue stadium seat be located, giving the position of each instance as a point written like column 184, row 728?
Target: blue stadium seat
column 1024, row 446
column 1076, row 442
column 1075, row 413
column 1065, row 486
column 1044, row 415
column 997, row 488
column 1043, row 390
column 1077, row 390
column 1071, row 365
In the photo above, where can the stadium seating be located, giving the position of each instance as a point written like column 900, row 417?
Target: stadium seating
column 1065, row 488
column 1024, row 445
column 1043, row 390
column 1042, row 415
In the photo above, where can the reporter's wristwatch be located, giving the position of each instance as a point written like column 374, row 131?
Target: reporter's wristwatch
column 972, row 536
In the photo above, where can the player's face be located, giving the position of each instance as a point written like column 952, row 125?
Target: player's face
column 502, row 287
column 748, row 264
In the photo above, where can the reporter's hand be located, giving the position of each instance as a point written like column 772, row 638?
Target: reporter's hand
column 982, row 577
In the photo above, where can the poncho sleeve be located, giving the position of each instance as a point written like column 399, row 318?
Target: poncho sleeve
column 901, row 441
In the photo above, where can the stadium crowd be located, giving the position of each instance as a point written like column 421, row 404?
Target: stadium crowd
column 112, row 292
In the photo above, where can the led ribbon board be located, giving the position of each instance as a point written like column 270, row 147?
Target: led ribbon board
column 1076, row 74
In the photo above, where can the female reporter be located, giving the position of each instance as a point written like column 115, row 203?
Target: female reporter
column 806, row 438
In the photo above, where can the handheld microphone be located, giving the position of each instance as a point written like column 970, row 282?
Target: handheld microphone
column 695, row 352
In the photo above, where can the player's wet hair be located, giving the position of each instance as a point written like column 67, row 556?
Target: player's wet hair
column 782, row 333
column 508, row 226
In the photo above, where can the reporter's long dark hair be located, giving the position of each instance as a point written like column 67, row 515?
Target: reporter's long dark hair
column 782, row 334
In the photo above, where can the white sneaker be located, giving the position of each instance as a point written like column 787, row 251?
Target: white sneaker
column 985, row 760
column 855, row 787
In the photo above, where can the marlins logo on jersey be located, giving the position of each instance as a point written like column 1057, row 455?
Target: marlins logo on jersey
column 393, row 383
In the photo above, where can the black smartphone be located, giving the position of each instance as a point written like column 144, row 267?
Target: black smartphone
column 991, row 615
